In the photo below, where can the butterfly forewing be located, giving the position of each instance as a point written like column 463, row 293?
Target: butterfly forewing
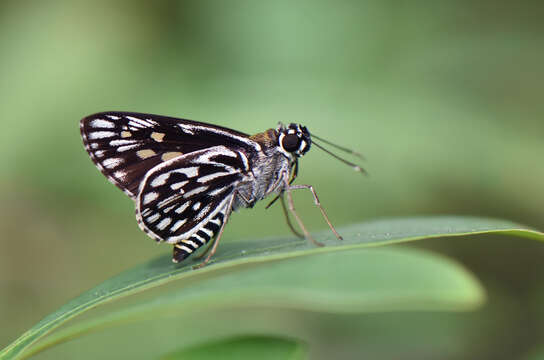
column 126, row 146
column 181, row 196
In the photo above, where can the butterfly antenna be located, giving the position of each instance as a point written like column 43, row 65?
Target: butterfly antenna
column 354, row 166
column 349, row 151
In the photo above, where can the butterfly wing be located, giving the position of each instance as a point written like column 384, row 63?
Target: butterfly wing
column 126, row 146
column 185, row 199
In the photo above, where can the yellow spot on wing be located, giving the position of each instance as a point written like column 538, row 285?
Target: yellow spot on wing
column 170, row 155
column 125, row 134
column 157, row 136
column 144, row 154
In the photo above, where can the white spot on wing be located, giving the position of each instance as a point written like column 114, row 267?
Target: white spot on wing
column 160, row 180
column 177, row 225
column 164, row 223
column 195, row 191
column 127, row 147
column 168, row 200
column 149, row 197
column 119, row 142
column 101, row 134
column 205, row 158
column 99, row 123
column 207, row 231
column 153, row 218
column 210, row 177
column 189, row 171
column 112, row 163
column 120, row 175
column 113, row 117
column 184, row 248
column 199, row 238
column 137, row 122
column 182, row 207
column 187, row 128
column 146, row 212
column 245, row 161
column 192, row 243
column 178, row 185
column 196, row 206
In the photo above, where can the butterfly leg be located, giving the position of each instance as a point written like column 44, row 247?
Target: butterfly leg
column 316, row 200
column 288, row 189
column 286, row 213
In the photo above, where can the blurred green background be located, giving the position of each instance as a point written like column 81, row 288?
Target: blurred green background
column 443, row 98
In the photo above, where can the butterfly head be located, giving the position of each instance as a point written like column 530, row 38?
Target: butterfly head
column 294, row 139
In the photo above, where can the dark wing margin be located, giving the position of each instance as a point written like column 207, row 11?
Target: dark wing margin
column 126, row 146
column 182, row 198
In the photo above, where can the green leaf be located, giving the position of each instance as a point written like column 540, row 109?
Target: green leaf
column 234, row 255
column 249, row 347
column 360, row 281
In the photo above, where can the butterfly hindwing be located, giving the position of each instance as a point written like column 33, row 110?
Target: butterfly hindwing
column 188, row 196
column 126, row 146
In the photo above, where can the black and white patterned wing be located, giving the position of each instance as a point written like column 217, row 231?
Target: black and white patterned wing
column 126, row 146
column 186, row 199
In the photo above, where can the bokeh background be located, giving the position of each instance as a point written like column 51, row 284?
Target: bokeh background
column 444, row 98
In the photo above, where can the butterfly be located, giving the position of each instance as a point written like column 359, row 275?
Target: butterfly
column 187, row 177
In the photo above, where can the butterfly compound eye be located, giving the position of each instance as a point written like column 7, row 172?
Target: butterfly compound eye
column 290, row 142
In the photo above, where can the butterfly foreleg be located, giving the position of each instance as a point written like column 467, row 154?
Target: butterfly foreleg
column 318, row 204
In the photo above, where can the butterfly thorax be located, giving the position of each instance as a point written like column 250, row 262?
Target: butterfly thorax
column 268, row 169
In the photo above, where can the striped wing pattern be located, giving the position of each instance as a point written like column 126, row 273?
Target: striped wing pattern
column 181, row 174
column 185, row 248
column 183, row 194
column 126, row 146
